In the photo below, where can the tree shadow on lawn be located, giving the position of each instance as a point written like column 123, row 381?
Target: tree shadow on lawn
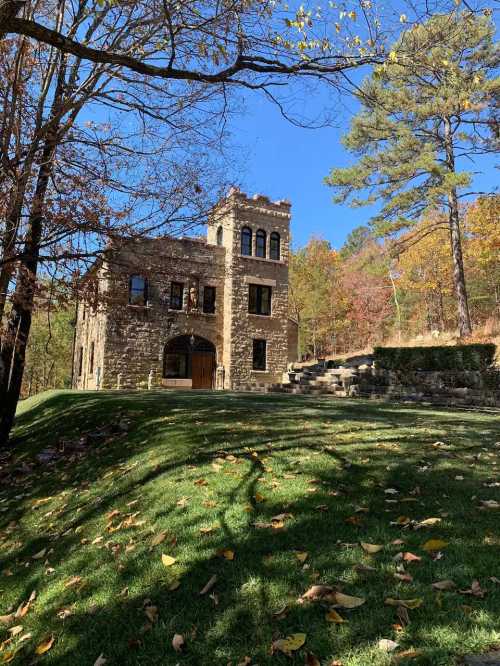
column 265, row 575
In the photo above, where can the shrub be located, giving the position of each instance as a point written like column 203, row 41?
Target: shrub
column 460, row 357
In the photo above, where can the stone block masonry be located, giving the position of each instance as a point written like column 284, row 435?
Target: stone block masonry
column 149, row 316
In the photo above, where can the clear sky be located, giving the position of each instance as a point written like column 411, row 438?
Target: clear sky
column 287, row 162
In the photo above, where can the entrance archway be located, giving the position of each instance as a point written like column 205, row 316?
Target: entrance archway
column 190, row 357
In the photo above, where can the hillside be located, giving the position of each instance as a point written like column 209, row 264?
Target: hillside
column 271, row 495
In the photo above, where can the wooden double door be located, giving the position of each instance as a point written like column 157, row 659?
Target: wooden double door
column 202, row 370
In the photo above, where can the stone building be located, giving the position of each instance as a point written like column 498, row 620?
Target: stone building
column 193, row 313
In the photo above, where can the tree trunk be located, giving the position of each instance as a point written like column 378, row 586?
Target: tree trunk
column 464, row 323
column 19, row 323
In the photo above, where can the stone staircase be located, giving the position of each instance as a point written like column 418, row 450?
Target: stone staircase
column 324, row 378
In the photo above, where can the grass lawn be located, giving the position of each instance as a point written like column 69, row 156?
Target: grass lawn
column 198, row 470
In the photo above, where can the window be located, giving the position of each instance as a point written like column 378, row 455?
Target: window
column 176, row 295
column 80, row 361
column 91, row 358
column 274, row 246
column 137, row 290
column 219, row 236
column 260, row 243
column 209, row 300
column 246, row 241
column 259, row 299
column 259, row 355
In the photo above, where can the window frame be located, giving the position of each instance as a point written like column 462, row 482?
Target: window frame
column 274, row 237
column 219, row 237
column 246, row 236
column 144, row 291
column 173, row 285
column 256, row 353
column 256, row 301
column 91, row 357
column 206, row 289
column 260, row 243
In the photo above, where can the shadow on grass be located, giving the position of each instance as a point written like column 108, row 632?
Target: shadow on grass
column 331, row 463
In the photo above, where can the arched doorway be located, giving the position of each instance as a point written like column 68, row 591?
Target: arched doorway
column 190, row 357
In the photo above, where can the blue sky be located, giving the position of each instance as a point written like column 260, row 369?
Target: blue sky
column 284, row 161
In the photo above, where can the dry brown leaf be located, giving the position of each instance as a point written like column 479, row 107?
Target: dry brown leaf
column 101, row 660
column 406, row 603
column 39, row 555
column 301, row 556
column 346, row 601
column 289, row 644
column 226, row 553
column 319, row 593
column 158, row 538
column 311, row 660
column 73, row 581
column 178, row 642
column 14, row 631
column 333, row 616
column 45, row 645
column 386, row 645
column 428, row 522
column 209, row 585
column 474, row 590
column 151, row 613
column 444, row 585
column 370, row 548
column 7, row 619
column 434, row 544
column 405, row 577
column 410, row 557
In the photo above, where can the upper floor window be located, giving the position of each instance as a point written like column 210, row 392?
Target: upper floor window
column 137, row 290
column 259, row 299
column 220, row 235
column 260, row 243
column 176, row 295
column 274, row 246
column 209, row 300
column 246, row 241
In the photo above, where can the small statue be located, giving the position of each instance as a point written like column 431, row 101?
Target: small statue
column 193, row 297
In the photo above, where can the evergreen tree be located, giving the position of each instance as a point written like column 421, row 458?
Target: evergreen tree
column 423, row 112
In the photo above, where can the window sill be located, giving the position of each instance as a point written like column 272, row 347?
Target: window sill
column 261, row 372
column 139, row 307
column 261, row 316
column 265, row 259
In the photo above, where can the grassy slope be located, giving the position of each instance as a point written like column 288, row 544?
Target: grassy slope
column 311, row 452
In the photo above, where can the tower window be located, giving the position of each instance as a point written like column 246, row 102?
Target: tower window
column 246, row 241
column 259, row 299
column 209, row 300
column 137, row 290
column 260, row 243
column 80, row 361
column 259, row 355
column 274, row 246
column 176, row 295
column 220, row 235
column 91, row 358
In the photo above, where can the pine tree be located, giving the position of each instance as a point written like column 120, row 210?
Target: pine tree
column 430, row 106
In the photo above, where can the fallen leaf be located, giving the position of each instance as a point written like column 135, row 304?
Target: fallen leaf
column 386, row 645
column 490, row 504
column 318, row 593
column 259, row 498
column 428, row 522
column 200, row 482
column 333, row 616
column 405, row 577
column 475, row 590
column 410, row 557
column 289, row 644
column 158, row 538
column 406, row 654
column 45, row 645
column 434, row 544
column 7, row 619
column 311, row 660
column 14, row 631
column 168, row 560
column 406, row 603
column 346, row 601
column 39, row 555
column 101, row 660
column 444, row 585
column 74, row 580
column 178, row 642
column 301, row 556
column 209, row 585
column 151, row 613
column 227, row 554
column 370, row 548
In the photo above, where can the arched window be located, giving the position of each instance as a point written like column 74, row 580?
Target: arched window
column 260, row 243
column 137, row 290
column 219, row 236
column 274, row 246
column 246, row 241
